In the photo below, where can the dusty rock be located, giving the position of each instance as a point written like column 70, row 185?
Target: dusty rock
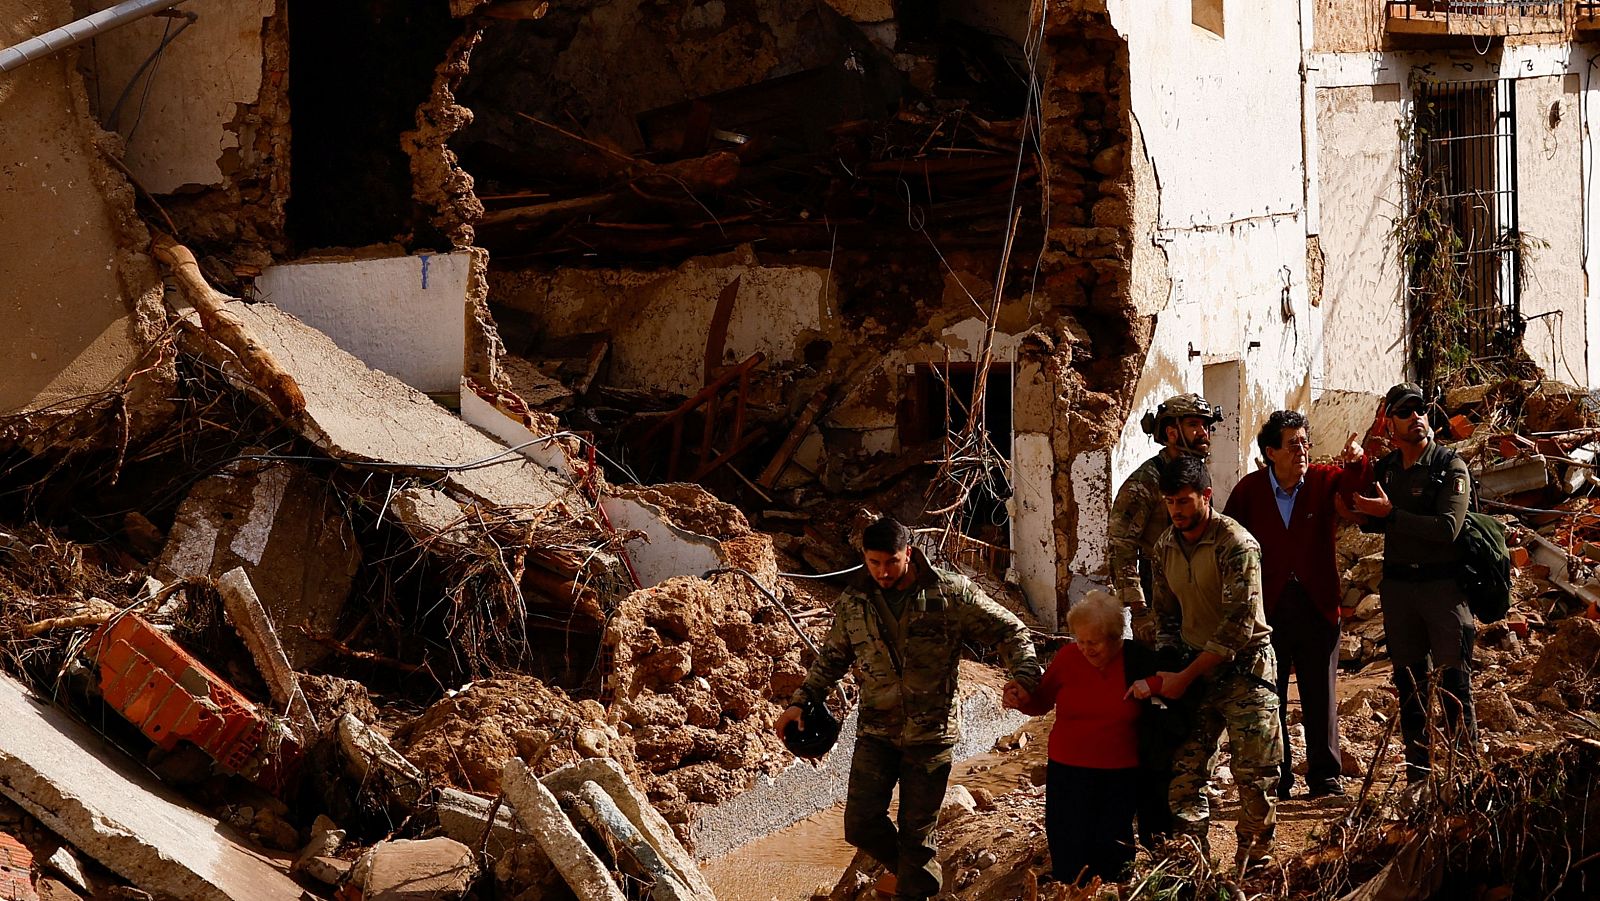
column 983, row 798
column 1572, row 654
column 958, row 802
column 434, row 869
column 1495, row 713
column 328, row 870
column 464, row 818
column 289, row 534
column 372, row 759
column 326, row 837
column 466, row 740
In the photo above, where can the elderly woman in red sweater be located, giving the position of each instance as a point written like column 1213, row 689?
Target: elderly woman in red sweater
column 1095, row 781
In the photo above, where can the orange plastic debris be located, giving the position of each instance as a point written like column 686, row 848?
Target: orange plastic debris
column 1461, row 427
column 172, row 697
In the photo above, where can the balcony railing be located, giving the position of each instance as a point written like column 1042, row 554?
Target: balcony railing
column 1475, row 18
column 1586, row 15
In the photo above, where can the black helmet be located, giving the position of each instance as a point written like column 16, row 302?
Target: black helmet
column 820, row 732
column 1175, row 408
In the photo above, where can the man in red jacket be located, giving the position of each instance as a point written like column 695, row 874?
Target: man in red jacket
column 1289, row 508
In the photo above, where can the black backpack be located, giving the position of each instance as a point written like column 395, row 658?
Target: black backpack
column 1484, row 575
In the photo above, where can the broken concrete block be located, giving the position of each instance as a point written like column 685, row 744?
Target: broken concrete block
column 608, row 820
column 288, row 532
column 255, row 627
column 1513, row 476
column 325, row 841
column 66, row 863
column 608, row 774
column 328, row 870
column 114, row 811
column 539, row 813
column 432, row 519
column 464, row 818
column 357, row 414
column 369, row 756
column 433, row 869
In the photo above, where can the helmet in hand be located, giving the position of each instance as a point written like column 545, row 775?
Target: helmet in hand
column 820, row 732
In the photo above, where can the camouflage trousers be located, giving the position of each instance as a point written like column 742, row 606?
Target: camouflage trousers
column 909, row 851
column 1244, row 701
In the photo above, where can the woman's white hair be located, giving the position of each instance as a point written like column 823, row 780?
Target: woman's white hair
column 1096, row 611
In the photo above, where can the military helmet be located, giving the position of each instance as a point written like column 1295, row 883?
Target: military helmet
column 820, row 732
column 1176, row 408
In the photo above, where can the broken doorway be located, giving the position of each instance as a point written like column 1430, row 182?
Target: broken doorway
column 1221, row 386
column 940, row 398
column 358, row 72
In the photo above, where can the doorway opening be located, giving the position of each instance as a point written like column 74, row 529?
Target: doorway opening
column 938, row 411
column 358, row 71
column 1221, row 384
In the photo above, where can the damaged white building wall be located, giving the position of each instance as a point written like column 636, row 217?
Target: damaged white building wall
column 174, row 90
column 1363, row 99
column 1219, row 116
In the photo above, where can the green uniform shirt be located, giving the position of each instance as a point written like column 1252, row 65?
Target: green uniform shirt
column 1209, row 593
column 1430, row 502
column 908, row 687
column 1138, row 519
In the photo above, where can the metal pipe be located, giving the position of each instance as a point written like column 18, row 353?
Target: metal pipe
column 77, row 32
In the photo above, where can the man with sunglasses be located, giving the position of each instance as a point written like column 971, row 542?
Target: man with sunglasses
column 1419, row 501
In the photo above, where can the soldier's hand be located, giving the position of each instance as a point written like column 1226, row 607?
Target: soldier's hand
column 1013, row 696
column 1173, row 685
column 1379, row 506
column 791, row 714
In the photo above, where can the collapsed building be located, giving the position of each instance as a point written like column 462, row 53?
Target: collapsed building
column 546, row 311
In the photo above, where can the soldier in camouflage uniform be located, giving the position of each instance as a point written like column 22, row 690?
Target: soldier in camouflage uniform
column 1181, row 426
column 903, row 625
column 1207, row 598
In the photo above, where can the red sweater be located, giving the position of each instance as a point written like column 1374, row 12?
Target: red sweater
column 1305, row 548
column 1096, row 725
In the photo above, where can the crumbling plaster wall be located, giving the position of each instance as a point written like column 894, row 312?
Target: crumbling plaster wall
column 1361, row 101
column 1359, row 189
column 1550, row 205
column 207, row 123
column 80, row 300
column 1230, row 224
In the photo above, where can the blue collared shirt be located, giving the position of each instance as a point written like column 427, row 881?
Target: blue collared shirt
column 1284, row 497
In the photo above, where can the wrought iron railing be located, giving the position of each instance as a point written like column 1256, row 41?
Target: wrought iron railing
column 1479, row 9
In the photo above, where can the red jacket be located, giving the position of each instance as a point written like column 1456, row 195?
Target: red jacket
column 1305, row 548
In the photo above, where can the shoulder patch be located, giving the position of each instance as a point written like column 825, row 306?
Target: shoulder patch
column 1460, row 483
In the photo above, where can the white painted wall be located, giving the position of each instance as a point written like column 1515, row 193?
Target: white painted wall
column 1550, row 208
column 178, row 113
column 666, row 551
column 406, row 316
column 1360, row 194
column 1033, row 532
column 1221, row 121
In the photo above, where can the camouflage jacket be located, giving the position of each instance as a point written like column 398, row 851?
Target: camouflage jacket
column 1208, row 594
column 908, row 693
column 1138, row 518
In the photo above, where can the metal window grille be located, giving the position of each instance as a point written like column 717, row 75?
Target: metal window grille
column 1469, row 147
column 1410, row 9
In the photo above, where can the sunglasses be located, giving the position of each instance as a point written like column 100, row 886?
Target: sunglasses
column 1406, row 412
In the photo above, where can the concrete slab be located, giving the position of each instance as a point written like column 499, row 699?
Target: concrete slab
column 1336, row 414
column 114, row 811
column 406, row 316
column 357, row 413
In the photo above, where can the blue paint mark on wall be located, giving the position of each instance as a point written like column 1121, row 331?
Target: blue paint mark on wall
column 424, row 258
